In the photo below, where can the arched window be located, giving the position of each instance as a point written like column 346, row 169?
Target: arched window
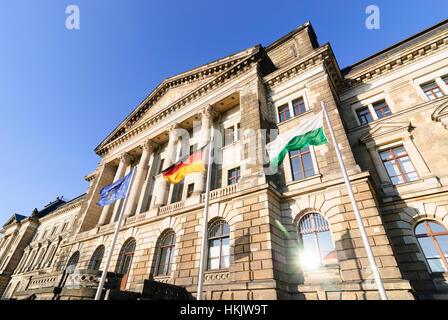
column 166, row 253
column 126, row 256
column 71, row 265
column 97, row 257
column 433, row 240
column 218, row 245
column 315, row 237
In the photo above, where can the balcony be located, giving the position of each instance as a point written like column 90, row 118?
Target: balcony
column 172, row 207
column 218, row 193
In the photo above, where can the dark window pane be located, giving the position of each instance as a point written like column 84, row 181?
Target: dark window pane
column 283, row 113
column 364, row 115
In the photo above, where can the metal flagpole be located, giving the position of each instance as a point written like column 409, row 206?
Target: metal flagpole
column 204, row 225
column 365, row 240
column 114, row 239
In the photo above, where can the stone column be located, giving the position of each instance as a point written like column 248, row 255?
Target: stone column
column 208, row 114
column 163, row 185
column 382, row 173
column 147, row 188
column 417, row 160
column 131, row 205
column 106, row 213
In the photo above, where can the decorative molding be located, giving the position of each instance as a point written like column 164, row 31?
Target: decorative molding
column 236, row 68
column 388, row 64
column 441, row 114
column 386, row 131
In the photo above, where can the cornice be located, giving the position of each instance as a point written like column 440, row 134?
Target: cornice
column 236, row 69
column 394, row 62
column 209, row 70
column 59, row 211
column 322, row 55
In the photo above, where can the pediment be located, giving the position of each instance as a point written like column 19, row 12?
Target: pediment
column 14, row 218
column 386, row 130
column 171, row 96
column 176, row 88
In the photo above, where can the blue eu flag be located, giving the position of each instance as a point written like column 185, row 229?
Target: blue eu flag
column 115, row 191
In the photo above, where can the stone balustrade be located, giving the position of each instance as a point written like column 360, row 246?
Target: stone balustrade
column 218, row 193
column 172, row 207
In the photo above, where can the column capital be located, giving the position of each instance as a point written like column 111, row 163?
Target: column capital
column 125, row 158
column 172, row 130
column 150, row 146
column 208, row 112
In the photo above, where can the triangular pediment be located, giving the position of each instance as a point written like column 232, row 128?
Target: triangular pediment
column 14, row 218
column 176, row 88
column 382, row 130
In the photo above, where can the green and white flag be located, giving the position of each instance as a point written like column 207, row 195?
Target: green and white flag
column 309, row 133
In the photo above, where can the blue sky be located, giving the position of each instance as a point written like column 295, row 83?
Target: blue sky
column 63, row 91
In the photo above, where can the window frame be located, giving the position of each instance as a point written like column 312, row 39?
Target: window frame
column 432, row 235
column 288, row 101
column 171, row 248
column 237, row 176
column 300, row 155
column 370, row 105
column 315, row 231
column 221, row 236
column 437, row 86
column 402, row 174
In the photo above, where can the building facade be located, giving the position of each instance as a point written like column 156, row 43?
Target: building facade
column 285, row 234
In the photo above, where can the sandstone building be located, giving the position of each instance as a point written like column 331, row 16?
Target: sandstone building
column 287, row 235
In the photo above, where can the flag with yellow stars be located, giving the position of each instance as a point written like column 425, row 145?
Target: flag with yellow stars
column 115, row 191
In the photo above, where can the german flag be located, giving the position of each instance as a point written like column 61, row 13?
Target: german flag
column 188, row 164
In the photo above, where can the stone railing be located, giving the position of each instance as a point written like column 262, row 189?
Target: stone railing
column 215, row 194
column 212, row 276
column 172, row 207
column 87, row 278
column 45, row 281
column 136, row 218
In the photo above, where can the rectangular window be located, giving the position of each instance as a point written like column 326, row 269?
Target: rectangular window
column 298, row 106
column 398, row 165
column 54, row 230
column 445, row 79
column 190, row 190
column 301, row 164
column 238, row 132
column 229, row 136
column 234, row 176
column 283, row 113
column 161, row 165
column 64, row 226
column 364, row 115
column 432, row 91
column 382, row 109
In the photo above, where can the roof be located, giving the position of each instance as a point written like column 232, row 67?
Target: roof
column 399, row 46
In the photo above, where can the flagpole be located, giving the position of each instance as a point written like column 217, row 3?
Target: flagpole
column 114, row 239
column 204, row 224
column 362, row 230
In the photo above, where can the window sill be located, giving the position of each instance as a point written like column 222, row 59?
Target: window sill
column 296, row 184
column 408, row 187
column 307, row 112
column 231, row 144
